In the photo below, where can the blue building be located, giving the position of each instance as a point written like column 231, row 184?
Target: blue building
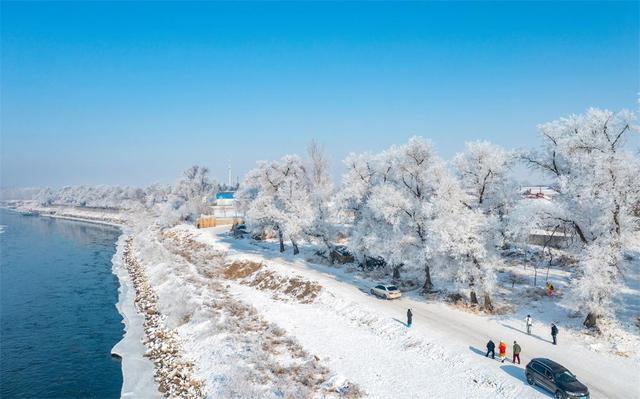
column 225, row 198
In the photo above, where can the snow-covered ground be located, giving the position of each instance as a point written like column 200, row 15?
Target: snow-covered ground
column 235, row 351
column 326, row 316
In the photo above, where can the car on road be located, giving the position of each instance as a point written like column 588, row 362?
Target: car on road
column 556, row 379
column 386, row 291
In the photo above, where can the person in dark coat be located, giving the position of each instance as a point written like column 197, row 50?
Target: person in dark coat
column 491, row 348
column 409, row 317
column 554, row 333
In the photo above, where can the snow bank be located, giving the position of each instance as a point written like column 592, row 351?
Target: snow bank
column 235, row 351
column 91, row 215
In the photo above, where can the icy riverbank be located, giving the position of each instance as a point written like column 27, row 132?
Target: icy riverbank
column 111, row 217
column 137, row 370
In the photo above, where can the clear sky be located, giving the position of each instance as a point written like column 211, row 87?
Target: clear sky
column 132, row 93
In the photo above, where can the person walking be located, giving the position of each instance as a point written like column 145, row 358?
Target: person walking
column 491, row 348
column 409, row 317
column 502, row 348
column 516, row 352
column 554, row 333
column 529, row 323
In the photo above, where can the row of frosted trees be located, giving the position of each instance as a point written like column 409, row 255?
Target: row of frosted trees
column 183, row 201
column 408, row 210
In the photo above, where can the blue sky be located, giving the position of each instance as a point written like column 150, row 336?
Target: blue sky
column 132, row 93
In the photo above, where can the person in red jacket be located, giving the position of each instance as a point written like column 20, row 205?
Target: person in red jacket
column 503, row 351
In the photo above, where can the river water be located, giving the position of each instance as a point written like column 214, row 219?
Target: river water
column 58, row 320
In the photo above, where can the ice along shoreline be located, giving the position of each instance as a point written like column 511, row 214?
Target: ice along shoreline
column 137, row 370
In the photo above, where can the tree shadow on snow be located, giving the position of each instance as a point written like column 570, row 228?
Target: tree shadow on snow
column 518, row 374
column 524, row 332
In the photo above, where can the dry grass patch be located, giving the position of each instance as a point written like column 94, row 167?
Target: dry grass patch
column 240, row 269
column 303, row 291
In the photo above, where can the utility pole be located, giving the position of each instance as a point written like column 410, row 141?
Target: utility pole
column 229, row 173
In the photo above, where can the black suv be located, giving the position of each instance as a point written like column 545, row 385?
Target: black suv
column 555, row 378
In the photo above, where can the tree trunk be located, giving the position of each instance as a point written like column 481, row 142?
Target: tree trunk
column 396, row 272
column 474, row 298
column 296, row 251
column 488, row 305
column 281, row 239
column 428, row 285
column 549, row 264
column 330, row 250
column 591, row 320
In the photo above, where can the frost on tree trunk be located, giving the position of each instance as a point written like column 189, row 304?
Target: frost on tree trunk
column 428, row 285
column 488, row 305
column 296, row 251
column 591, row 321
column 474, row 298
column 280, row 238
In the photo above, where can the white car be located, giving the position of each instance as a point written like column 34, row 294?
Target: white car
column 386, row 291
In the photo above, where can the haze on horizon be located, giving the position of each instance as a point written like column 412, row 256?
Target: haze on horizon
column 133, row 93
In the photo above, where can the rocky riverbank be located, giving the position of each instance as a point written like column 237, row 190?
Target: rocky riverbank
column 173, row 373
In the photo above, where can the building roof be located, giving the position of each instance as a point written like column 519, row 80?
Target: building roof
column 226, row 195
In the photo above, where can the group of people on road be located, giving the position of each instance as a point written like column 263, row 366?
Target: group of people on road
column 502, row 351
column 502, row 347
column 516, row 349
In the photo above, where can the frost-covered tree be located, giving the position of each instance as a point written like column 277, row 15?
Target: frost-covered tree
column 464, row 239
column 277, row 195
column 406, row 199
column 322, row 227
column 45, row 197
column 363, row 173
column 109, row 197
column 187, row 199
column 598, row 185
column 484, row 171
column 410, row 210
column 156, row 194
